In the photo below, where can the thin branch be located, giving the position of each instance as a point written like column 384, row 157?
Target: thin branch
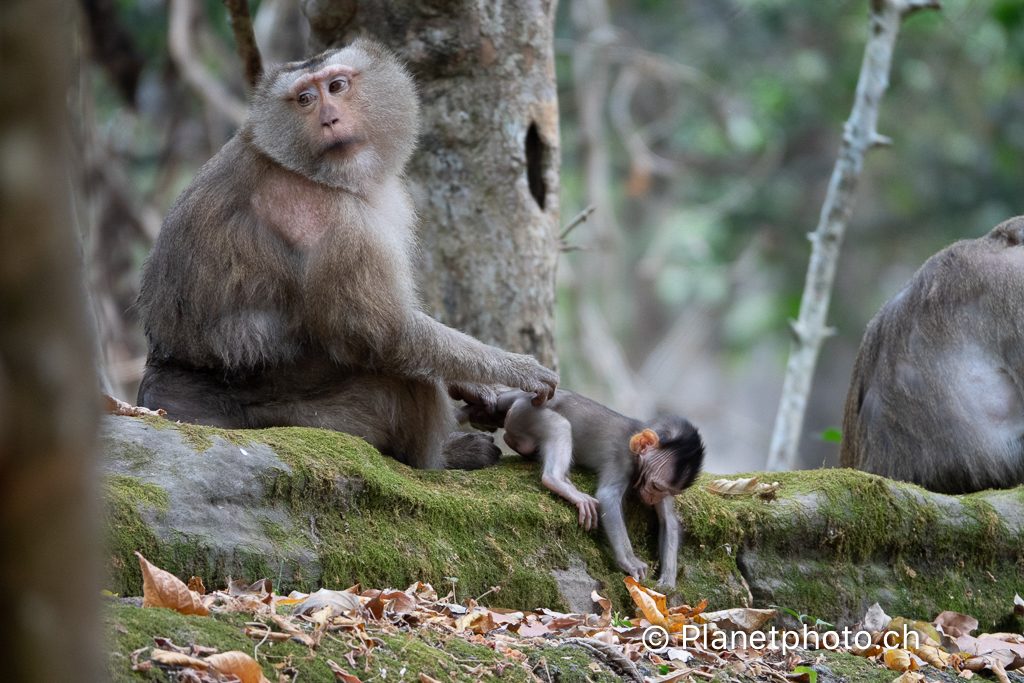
column 859, row 135
column 580, row 218
column 245, row 40
column 192, row 69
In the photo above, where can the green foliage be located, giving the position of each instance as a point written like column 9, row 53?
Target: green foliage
column 832, row 435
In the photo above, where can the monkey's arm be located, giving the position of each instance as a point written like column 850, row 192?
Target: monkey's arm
column 433, row 349
column 669, row 536
column 609, row 495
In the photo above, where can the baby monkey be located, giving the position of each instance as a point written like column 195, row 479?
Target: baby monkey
column 658, row 460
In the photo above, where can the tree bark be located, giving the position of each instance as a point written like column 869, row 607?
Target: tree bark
column 48, row 396
column 485, row 176
column 859, row 135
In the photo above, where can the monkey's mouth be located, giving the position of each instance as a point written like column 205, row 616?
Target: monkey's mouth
column 343, row 145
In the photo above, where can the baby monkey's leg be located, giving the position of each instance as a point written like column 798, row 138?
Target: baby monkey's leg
column 527, row 429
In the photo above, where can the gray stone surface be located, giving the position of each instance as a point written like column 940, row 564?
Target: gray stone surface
column 217, row 496
column 576, row 584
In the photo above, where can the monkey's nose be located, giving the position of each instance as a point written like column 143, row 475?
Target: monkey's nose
column 331, row 123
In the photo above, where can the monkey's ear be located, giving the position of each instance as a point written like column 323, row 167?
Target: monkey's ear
column 643, row 442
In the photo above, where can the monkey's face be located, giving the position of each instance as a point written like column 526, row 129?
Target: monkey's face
column 323, row 103
column 346, row 118
column 669, row 464
column 655, row 482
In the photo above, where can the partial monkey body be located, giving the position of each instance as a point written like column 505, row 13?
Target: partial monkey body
column 658, row 460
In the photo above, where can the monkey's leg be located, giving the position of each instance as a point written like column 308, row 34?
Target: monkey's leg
column 191, row 395
column 669, row 536
column 610, row 496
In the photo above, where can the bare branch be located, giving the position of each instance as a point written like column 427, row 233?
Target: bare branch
column 860, row 134
column 580, row 218
column 192, row 69
column 245, row 40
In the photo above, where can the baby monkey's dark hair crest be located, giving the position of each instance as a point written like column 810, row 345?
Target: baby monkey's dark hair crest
column 687, row 449
column 678, row 437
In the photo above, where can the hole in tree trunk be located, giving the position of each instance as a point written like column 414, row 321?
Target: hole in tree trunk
column 535, row 153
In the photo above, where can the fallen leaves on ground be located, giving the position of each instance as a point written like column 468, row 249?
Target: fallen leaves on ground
column 695, row 645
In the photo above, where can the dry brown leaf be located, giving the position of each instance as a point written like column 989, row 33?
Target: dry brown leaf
column 899, row 660
column 1018, row 605
column 647, row 604
column 741, row 487
column 605, row 603
column 966, row 674
column 195, row 584
column 339, row 602
column 933, row 655
column 163, row 589
column 954, row 624
column 869, row 651
column 342, row 674
column 876, row 619
column 177, row 659
column 745, row 619
column 909, row 677
column 424, row 678
column 237, row 663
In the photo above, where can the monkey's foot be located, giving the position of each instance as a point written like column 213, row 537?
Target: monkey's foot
column 634, row 566
column 470, row 451
column 666, row 580
column 588, row 512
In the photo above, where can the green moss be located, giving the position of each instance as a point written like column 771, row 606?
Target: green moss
column 197, row 436
column 568, row 664
column 124, row 500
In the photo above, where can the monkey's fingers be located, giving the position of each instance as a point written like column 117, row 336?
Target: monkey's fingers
column 588, row 513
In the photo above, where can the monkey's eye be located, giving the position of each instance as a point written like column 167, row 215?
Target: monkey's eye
column 337, row 85
column 306, row 99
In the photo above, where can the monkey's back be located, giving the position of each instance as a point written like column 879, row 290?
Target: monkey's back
column 935, row 396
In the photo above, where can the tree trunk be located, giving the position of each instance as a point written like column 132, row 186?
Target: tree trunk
column 48, row 397
column 485, row 175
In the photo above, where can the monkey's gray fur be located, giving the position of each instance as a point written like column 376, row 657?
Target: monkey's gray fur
column 281, row 291
column 937, row 395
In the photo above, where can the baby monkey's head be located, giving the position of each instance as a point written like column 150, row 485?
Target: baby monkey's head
column 669, row 453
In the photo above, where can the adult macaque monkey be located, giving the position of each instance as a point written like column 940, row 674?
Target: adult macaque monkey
column 936, row 397
column 657, row 460
column 281, row 292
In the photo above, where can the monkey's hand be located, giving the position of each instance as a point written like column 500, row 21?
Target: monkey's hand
column 634, row 566
column 483, row 395
column 527, row 374
column 478, row 417
column 588, row 511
